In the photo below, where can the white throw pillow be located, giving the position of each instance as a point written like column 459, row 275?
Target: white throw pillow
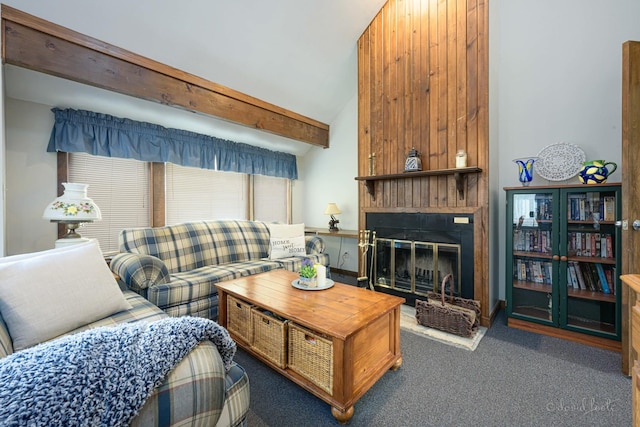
column 46, row 294
column 286, row 240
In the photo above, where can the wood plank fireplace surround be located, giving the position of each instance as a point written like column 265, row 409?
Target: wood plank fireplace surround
column 422, row 84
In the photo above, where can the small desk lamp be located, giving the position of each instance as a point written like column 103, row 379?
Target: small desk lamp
column 332, row 209
column 72, row 209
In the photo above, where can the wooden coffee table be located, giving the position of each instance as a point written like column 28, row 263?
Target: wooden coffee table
column 361, row 326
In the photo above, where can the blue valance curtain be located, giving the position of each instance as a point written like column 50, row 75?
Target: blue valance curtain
column 104, row 135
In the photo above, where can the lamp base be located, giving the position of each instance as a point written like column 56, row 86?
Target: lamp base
column 332, row 224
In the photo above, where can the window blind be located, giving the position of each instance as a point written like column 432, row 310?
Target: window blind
column 194, row 194
column 120, row 188
column 270, row 199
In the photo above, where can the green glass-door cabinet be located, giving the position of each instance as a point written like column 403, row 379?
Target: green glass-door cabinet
column 562, row 267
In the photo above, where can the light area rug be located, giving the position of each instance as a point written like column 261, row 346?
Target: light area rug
column 409, row 323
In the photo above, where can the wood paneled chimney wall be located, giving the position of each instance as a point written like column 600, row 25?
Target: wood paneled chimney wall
column 423, row 84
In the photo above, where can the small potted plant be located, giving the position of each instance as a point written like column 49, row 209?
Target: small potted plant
column 308, row 273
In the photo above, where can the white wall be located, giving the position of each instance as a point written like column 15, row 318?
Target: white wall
column 555, row 76
column 31, row 177
column 494, row 163
column 328, row 175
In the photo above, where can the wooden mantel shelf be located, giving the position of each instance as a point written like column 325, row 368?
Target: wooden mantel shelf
column 458, row 173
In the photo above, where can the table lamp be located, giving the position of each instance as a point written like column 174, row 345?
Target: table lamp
column 332, row 209
column 72, row 209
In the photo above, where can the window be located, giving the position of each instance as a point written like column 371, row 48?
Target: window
column 270, row 199
column 194, row 194
column 120, row 188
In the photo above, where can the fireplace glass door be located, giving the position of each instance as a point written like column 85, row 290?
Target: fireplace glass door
column 415, row 267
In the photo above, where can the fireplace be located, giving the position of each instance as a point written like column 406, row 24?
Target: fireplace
column 412, row 252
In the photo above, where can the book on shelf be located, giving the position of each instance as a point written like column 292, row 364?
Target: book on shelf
column 609, row 245
column 533, row 271
column 518, row 240
column 522, row 273
column 609, row 272
column 603, row 279
column 543, row 207
column 573, row 208
column 548, row 268
column 537, row 272
column 532, row 240
column 587, row 247
column 586, row 274
column 572, row 278
column 594, row 213
column 596, row 277
column 609, row 208
column 576, row 267
column 585, row 206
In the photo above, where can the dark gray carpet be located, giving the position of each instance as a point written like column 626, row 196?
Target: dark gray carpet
column 513, row 378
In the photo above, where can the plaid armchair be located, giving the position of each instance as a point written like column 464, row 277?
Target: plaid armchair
column 196, row 392
column 176, row 267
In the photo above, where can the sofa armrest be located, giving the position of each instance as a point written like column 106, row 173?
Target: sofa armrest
column 6, row 344
column 314, row 245
column 139, row 272
column 193, row 392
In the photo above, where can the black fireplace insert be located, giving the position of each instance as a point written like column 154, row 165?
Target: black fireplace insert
column 414, row 251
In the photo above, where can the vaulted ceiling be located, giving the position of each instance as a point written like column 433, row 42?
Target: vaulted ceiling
column 299, row 55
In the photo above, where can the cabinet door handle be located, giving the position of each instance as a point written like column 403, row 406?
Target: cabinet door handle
column 563, row 258
column 636, row 224
column 555, row 257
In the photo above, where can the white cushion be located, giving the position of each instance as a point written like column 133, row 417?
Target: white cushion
column 46, row 294
column 286, row 240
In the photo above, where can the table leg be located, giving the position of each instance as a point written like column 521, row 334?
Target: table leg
column 396, row 365
column 342, row 416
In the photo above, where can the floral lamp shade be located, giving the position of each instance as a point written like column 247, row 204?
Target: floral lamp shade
column 72, row 208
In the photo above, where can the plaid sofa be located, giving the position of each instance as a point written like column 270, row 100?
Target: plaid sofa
column 196, row 392
column 176, row 267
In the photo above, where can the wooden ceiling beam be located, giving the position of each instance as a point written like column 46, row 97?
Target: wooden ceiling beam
column 42, row 46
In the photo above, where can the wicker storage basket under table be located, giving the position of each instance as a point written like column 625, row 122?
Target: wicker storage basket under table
column 459, row 316
column 269, row 337
column 311, row 356
column 239, row 319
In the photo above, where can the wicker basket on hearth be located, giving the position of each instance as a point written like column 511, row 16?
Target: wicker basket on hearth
column 459, row 316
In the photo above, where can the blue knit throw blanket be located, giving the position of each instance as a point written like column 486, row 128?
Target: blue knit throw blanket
column 99, row 377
